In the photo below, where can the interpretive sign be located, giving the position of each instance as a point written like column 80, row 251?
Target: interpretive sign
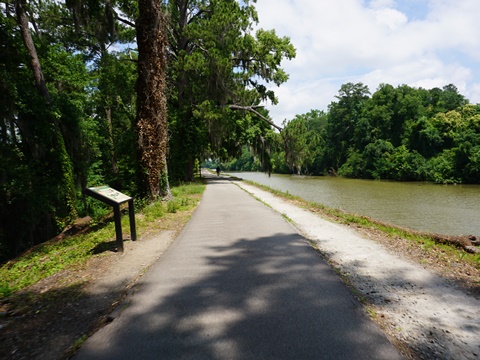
column 115, row 198
column 111, row 194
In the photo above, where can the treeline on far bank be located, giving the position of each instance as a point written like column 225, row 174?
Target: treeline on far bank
column 402, row 133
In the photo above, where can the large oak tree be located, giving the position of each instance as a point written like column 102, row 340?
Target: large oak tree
column 151, row 98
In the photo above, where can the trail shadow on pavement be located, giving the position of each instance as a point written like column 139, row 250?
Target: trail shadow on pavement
column 261, row 298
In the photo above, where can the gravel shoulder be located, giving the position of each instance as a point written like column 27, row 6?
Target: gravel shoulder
column 415, row 306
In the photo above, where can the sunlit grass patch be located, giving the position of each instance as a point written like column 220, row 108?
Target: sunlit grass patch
column 50, row 258
column 188, row 189
column 154, row 211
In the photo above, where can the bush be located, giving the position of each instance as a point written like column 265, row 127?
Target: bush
column 354, row 167
column 441, row 169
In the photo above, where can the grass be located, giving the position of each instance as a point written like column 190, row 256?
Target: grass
column 54, row 256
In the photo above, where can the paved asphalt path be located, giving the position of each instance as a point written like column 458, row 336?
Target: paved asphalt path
column 239, row 283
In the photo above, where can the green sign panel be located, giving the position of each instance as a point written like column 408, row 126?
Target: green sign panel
column 111, row 194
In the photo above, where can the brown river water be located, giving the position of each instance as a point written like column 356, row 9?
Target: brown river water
column 442, row 209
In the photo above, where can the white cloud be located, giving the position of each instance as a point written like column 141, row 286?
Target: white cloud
column 380, row 4
column 390, row 19
column 425, row 43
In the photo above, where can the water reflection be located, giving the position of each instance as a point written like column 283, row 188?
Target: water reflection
column 452, row 209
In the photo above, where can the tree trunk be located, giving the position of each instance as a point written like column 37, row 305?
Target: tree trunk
column 190, row 169
column 151, row 100
column 111, row 140
column 22, row 20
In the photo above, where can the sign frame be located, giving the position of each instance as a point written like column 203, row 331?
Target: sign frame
column 115, row 198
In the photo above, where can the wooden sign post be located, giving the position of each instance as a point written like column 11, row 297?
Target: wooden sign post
column 115, row 198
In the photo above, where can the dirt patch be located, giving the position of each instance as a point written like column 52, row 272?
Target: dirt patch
column 51, row 318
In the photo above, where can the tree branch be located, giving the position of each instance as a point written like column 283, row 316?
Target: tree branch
column 252, row 109
column 125, row 21
column 194, row 16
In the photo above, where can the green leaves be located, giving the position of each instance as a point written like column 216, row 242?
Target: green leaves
column 302, row 140
column 397, row 134
column 218, row 62
column 54, row 144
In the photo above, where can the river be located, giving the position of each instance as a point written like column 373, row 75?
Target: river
column 443, row 209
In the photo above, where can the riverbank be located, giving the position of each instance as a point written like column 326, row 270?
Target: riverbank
column 421, row 206
column 458, row 250
column 433, row 310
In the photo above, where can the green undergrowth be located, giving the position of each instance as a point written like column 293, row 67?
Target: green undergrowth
column 57, row 255
column 428, row 242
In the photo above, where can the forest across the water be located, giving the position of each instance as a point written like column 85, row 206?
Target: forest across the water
column 397, row 133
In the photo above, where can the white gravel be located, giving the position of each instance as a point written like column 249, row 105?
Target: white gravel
column 423, row 310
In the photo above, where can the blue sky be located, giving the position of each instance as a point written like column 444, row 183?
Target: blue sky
column 421, row 43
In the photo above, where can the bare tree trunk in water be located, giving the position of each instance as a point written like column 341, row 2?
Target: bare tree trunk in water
column 151, row 99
